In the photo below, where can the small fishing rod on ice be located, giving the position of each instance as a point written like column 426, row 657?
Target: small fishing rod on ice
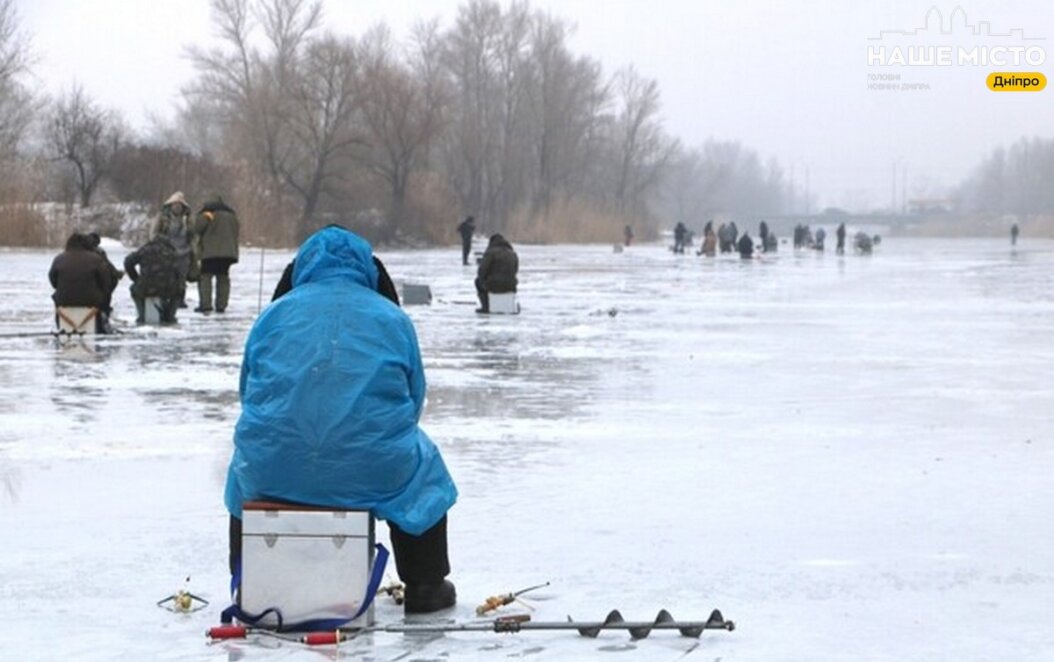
column 498, row 601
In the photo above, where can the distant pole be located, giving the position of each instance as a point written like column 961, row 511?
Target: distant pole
column 893, row 192
column 904, row 188
column 808, row 202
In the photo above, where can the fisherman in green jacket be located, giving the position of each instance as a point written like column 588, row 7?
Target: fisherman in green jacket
column 216, row 231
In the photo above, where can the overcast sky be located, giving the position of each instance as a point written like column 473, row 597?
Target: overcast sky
column 790, row 79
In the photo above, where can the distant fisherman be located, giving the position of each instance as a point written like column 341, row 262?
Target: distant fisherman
column 216, row 229
column 679, row 234
column 745, row 245
column 83, row 279
column 173, row 221
column 156, row 270
column 115, row 274
column 466, row 229
column 863, row 243
column 497, row 271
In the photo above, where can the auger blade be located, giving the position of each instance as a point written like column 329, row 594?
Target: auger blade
column 592, row 631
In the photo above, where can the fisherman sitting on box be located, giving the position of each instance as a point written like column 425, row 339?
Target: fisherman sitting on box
column 82, row 279
column 155, row 272
column 332, row 387
column 497, row 271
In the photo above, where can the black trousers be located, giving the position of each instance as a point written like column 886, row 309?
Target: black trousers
column 484, row 299
column 466, row 248
column 419, row 559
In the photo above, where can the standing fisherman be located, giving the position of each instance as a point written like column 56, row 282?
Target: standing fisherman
column 173, row 222
column 466, row 229
column 216, row 229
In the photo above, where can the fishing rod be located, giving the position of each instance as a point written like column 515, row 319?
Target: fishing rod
column 505, row 624
column 41, row 334
column 183, row 601
column 497, row 601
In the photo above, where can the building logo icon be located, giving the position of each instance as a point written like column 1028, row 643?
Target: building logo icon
column 955, row 42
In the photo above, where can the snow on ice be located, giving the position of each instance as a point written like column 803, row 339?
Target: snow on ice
column 849, row 456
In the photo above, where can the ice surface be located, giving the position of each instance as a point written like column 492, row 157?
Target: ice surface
column 851, row 457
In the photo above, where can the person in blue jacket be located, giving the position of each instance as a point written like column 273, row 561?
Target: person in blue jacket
column 332, row 387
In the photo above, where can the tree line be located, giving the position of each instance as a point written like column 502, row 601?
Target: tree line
column 1012, row 180
column 493, row 116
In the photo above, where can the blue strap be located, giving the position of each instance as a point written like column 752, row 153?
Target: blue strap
column 320, row 624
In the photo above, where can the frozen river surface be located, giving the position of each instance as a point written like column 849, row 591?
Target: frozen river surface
column 851, row 457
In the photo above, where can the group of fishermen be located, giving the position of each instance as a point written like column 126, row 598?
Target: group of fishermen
column 180, row 250
column 727, row 240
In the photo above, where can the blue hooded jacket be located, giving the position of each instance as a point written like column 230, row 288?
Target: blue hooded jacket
column 332, row 388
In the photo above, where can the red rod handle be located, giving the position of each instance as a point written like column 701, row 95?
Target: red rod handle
column 321, row 638
column 227, row 632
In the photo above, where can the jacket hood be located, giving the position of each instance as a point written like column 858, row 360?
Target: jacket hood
column 499, row 241
column 334, row 252
column 79, row 242
column 174, row 198
column 215, row 203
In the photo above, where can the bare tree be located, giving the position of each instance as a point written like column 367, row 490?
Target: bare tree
column 321, row 129
column 643, row 147
column 86, row 136
column 498, row 108
column 1014, row 179
column 470, row 59
column 292, row 106
column 402, row 108
column 721, row 178
column 568, row 96
column 17, row 106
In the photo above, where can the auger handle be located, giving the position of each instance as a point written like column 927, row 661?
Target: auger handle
column 322, row 638
column 227, row 632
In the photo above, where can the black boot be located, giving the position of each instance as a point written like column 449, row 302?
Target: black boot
column 422, row 564
column 426, row 598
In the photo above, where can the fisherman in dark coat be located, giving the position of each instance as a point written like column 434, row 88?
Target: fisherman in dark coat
column 745, row 246
column 156, row 270
column 862, row 243
column 497, row 271
column 82, row 278
column 840, row 235
column 680, row 232
column 466, row 229
column 115, row 274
